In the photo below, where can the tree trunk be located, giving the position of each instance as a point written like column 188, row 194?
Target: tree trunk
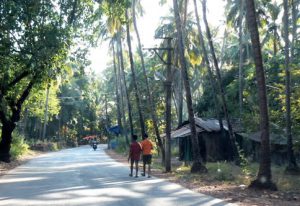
column 9, row 123
column 264, row 176
column 295, row 11
column 241, row 58
column 149, row 95
column 5, row 144
column 198, row 165
column 220, row 86
column 292, row 164
column 210, row 73
column 46, row 112
column 124, row 84
column 168, row 85
column 123, row 91
column 137, row 94
column 275, row 42
column 116, row 89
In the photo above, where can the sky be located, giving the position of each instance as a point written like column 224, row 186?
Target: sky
column 147, row 24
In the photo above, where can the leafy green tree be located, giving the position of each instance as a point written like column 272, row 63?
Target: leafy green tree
column 34, row 41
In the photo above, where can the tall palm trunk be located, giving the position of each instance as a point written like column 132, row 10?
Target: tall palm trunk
column 180, row 103
column 124, row 83
column 117, row 90
column 241, row 58
column 295, row 11
column 149, row 94
column 179, row 91
column 264, row 176
column 275, row 42
column 122, row 90
column 219, row 84
column 137, row 94
column 292, row 164
column 207, row 64
column 198, row 165
column 168, row 86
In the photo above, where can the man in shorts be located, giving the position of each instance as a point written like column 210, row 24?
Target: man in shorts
column 147, row 147
column 134, row 155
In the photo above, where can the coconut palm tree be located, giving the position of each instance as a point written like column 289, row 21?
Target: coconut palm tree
column 219, row 83
column 292, row 164
column 207, row 64
column 149, row 94
column 118, row 101
column 134, row 80
column 264, row 176
column 198, row 165
column 112, row 29
column 122, row 73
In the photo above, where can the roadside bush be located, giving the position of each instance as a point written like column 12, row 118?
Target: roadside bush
column 45, row 146
column 221, row 171
column 121, row 145
column 18, row 146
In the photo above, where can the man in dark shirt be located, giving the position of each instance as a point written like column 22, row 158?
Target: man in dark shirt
column 134, row 155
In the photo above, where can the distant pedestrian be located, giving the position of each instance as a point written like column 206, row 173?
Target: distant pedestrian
column 147, row 147
column 134, row 155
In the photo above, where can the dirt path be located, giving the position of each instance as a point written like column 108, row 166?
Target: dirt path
column 228, row 192
column 5, row 167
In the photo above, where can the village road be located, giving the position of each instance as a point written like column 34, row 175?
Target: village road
column 81, row 176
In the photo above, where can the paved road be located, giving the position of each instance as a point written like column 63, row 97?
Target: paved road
column 81, row 176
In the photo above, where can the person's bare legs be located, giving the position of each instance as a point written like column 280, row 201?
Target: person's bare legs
column 136, row 168
column 131, row 167
column 144, row 168
column 149, row 170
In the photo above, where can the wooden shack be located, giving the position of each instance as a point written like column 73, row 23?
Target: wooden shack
column 214, row 144
column 278, row 147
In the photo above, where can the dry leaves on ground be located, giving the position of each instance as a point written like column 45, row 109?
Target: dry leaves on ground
column 238, row 194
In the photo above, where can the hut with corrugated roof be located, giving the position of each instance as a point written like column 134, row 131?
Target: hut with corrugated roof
column 278, row 146
column 214, row 143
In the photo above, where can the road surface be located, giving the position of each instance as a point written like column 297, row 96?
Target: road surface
column 81, row 176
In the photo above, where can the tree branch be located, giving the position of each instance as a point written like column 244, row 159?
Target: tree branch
column 17, row 108
column 18, row 78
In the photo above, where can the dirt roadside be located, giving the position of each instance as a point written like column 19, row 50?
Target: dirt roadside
column 5, row 167
column 237, row 194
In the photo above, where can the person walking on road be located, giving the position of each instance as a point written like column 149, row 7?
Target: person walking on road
column 134, row 155
column 147, row 147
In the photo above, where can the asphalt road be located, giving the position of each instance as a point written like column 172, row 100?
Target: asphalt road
column 81, row 176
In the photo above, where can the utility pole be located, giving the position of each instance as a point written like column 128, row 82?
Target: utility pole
column 168, row 86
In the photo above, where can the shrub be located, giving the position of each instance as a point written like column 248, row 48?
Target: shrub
column 18, row 146
column 45, row 146
column 121, row 145
column 221, row 171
